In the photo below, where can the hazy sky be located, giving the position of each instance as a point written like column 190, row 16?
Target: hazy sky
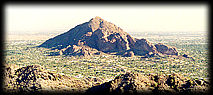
column 131, row 18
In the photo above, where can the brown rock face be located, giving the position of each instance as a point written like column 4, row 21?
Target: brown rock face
column 142, row 47
column 111, row 42
column 165, row 49
column 107, row 37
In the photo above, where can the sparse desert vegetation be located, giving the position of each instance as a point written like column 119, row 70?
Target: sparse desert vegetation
column 25, row 52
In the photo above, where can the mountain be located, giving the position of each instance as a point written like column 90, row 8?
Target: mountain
column 98, row 35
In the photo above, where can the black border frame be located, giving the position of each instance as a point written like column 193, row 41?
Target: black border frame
column 2, row 35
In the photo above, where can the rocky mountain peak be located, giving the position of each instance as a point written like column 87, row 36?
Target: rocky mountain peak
column 97, row 18
column 103, row 36
column 96, row 23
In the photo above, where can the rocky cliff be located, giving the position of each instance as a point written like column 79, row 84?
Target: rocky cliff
column 100, row 35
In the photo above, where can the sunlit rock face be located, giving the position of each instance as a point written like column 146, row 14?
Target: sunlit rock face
column 107, row 37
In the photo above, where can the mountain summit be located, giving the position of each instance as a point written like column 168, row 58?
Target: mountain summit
column 98, row 36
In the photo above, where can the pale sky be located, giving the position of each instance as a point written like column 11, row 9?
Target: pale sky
column 131, row 18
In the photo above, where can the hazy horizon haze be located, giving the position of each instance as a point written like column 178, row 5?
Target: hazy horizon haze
column 131, row 18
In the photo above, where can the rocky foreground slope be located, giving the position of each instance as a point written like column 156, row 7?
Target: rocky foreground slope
column 35, row 78
column 100, row 35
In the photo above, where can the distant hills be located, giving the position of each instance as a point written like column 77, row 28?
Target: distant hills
column 99, row 36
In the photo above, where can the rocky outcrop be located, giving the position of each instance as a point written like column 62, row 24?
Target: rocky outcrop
column 105, row 37
column 165, row 49
column 135, row 84
column 142, row 47
column 34, row 78
column 80, row 51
